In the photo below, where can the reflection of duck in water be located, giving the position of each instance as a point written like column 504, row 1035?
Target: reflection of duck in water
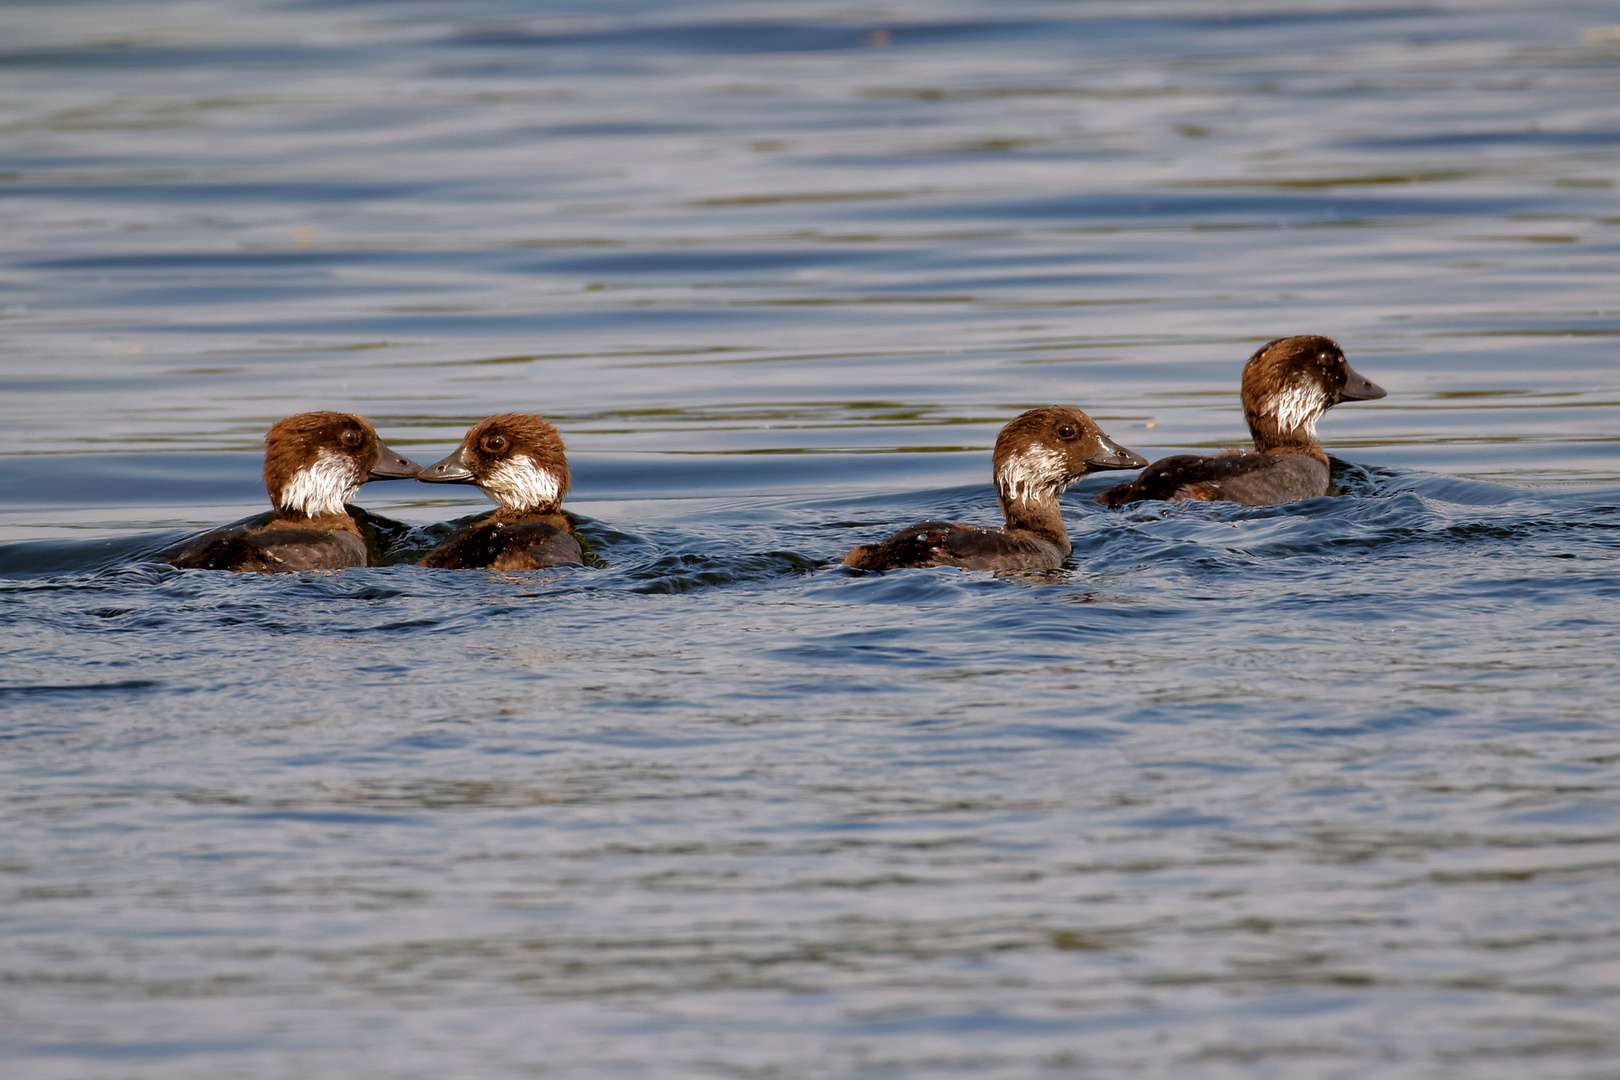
column 518, row 461
column 1287, row 385
column 314, row 463
column 1038, row 454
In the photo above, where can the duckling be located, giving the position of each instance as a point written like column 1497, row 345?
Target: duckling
column 314, row 463
column 518, row 461
column 1287, row 385
column 1038, row 454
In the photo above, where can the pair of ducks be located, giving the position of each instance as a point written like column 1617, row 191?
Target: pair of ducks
column 316, row 462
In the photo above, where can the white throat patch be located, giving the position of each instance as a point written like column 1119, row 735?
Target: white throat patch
column 519, row 484
column 1035, row 474
column 1299, row 407
column 321, row 487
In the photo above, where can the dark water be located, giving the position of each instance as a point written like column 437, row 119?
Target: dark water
column 1329, row 789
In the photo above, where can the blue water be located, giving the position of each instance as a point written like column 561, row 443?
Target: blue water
column 1328, row 789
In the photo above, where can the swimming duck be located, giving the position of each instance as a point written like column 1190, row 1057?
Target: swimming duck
column 314, row 463
column 1038, row 454
column 1287, row 385
column 518, row 461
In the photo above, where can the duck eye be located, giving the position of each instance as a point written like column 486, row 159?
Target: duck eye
column 350, row 438
column 494, row 444
column 1066, row 431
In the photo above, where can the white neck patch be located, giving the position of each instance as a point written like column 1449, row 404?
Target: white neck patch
column 519, row 484
column 1299, row 406
column 321, row 487
column 1035, row 474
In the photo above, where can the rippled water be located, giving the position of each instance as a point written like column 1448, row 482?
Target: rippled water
column 1328, row 789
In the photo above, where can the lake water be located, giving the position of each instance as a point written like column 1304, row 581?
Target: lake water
column 1328, row 789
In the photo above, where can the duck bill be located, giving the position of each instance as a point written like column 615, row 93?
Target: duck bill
column 452, row 470
column 1358, row 387
column 392, row 465
column 1111, row 455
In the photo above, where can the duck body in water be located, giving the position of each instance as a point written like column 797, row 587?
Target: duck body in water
column 518, row 461
column 1287, row 385
column 1038, row 454
column 314, row 463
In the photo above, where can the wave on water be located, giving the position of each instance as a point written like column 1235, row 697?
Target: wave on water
column 1375, row 513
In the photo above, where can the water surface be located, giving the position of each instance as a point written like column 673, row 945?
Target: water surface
column 1327, row 789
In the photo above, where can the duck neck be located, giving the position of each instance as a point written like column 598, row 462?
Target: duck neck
column 1042, row 516
column 552, row 515
column 1297, row 442
column 1287, row 426
column 321, row 522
